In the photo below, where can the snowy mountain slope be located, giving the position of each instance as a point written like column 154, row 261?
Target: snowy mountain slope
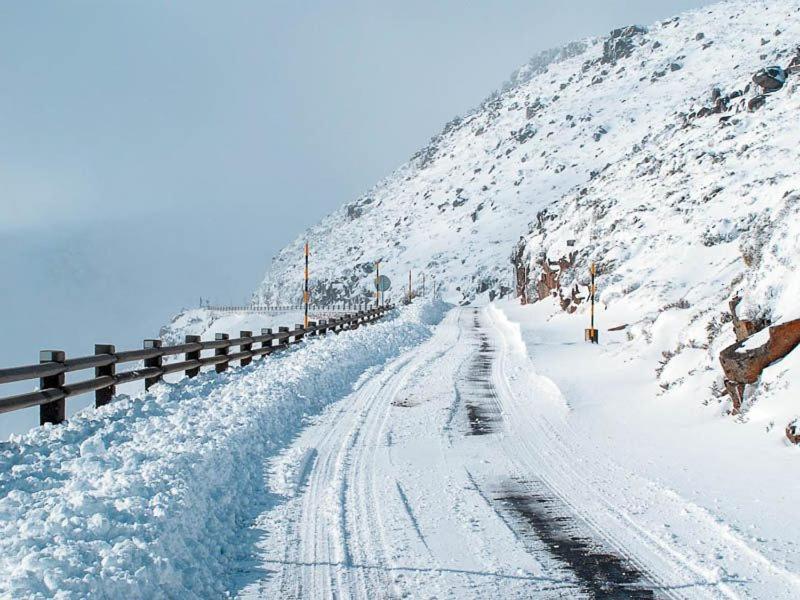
column 637, row 152
column 458, row 206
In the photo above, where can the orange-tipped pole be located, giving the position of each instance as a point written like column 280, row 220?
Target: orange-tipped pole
column 306, row 296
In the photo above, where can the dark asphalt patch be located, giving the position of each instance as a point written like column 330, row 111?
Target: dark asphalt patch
column 476, row 389
column 598, row 572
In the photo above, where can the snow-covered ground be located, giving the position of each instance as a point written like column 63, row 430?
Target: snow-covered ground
column 492, row 455
column 496, row 454
column 479, row 465
column 146, row 497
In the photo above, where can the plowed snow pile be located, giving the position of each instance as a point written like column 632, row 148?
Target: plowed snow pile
column 142, row 498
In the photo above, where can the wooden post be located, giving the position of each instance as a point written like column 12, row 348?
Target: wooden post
column 223, row 366
column 103, row 396
column 192, row 356
column 156, row 361
column 299, row 337
column 267, row 343
column 55, row 411
column 286, row 340
column 246, row 361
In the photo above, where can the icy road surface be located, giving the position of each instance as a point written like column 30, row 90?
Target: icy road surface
column 452, row 472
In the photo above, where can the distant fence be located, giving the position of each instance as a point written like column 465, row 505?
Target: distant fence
column 328, row 308
column 54, row 365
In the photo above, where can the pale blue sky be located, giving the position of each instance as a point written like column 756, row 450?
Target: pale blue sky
column 152, row 152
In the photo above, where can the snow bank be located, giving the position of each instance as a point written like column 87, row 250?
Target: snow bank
column 206, row 322
column 145, row 497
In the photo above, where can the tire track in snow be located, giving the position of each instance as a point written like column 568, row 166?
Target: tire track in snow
column 411, row 517
column 338, row 535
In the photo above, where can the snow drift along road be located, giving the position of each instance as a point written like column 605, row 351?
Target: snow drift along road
column 144, row 497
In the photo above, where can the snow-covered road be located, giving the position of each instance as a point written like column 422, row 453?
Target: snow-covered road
column 453, row 472
column 415, row 457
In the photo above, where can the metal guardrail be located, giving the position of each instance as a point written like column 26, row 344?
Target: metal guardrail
column 54, row 365
column 339, row 307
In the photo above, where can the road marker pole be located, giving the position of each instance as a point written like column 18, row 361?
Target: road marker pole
column 591, row 334
column 377, row 283
column 305, row 291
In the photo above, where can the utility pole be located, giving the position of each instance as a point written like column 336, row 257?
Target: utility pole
column 305, row 291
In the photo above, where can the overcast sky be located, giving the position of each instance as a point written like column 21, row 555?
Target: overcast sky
column 152, row 152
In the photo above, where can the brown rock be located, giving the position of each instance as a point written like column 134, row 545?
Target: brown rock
column 551, row 274
column 746, row 366
column 756, row 102
column 793, row 432
column 744, row 328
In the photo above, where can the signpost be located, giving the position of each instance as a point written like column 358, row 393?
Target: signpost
column 382, row 284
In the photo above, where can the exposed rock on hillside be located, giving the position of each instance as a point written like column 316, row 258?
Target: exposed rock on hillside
column 744, row 364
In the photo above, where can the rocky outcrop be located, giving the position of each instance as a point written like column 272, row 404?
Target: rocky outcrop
column 522, row 272
column 744, row 366
column 756, row 102
column 793, row 431
column 770, row 79
column 549, row 282
column 744, row 328
column 621, row 43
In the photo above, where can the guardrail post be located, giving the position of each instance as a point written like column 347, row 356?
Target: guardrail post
column 312, row 324
column 103, row 396
column 156, row 361
column 286, row 340
column 299, row 337
column 268, row 343
column 55, row 411
column 323, row 329
column 245, row 361
column 223, row 366
column 190, row 339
